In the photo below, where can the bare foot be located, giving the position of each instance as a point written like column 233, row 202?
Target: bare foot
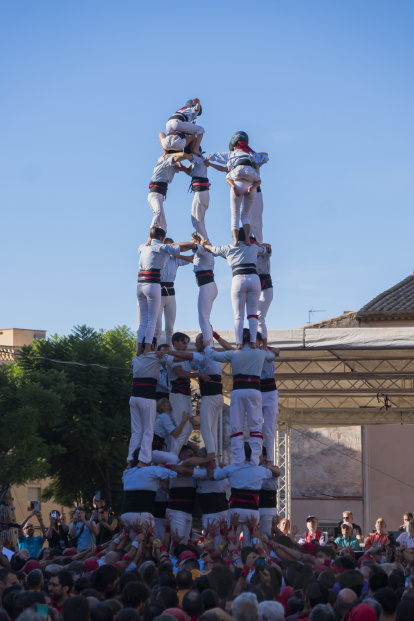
column 253, row 345
column 236, row 191
column 141, row 464
column 247, row 242
column 235, row 244
column 239, row 346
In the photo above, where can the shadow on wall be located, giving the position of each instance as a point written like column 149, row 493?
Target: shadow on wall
column 326, row 462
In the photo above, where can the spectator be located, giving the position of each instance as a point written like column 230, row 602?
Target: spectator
column 406, row 518
column 81, row 531
column 389, row 601
column 60, row 586
column 321, row 612
column 210, row 599
column 193, row 604
column 168, row 597
column 106, row 526
column 184, row 583
column 271, row 611
column 104, row 581
column 35, row 580
column 352, row 579
column 405, row 611
column 375, row 605
column 313, row 533
column 344, row 602
column 135, row 595
column 76, row 608
column 407, row 539
column 347, row 540
column 363, row 612
column 378, row 579
column 348, row 516
column 151, row 610
column 8, row 578
column 102, row 611
column 245, row 607
column 380, row 537
column 57, row 533
column 26, row 537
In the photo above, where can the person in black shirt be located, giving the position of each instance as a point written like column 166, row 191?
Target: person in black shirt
column 106, row 526
column 57, row 533
column 347, row 516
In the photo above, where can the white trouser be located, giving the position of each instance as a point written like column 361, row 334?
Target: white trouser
column 156, row 202
column 169, row 306
column 265, row 299
column 173, row 143
column 206, row 296
column 214, row 518
column 256, row 218
column 180, row 403
column 143, row 413
column 243, row 173
column 245, row 292
column 266, row 518
column 149, row 300
column 198, row 211
column 236, row 201
column 246, row 401
column 175, row 125
column 210, row 408
column 181, row 522
column 159, row 528
column 134, row 522
column 270, row 408
column 244, row 515
column 164, row 457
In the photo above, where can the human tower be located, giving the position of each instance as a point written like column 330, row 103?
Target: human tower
column 166, row 373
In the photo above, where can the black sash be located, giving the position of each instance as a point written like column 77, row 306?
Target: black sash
column 265, row 281
column 244, row 499
column 268, row 384
column 245, row 162
column 182, row 499
column 144, row 387
column 153, row 275
column 160, row 509
column 241, row 381
column 267, row 499
column 213, row 502
column 214, row 387
column 139, row 501
column 199, row 184
column 181, row 386
column 158, row 443
column 204, row 277
column 160, row 187
column 244, row 268
column 259, row 189
column 162, row 395
column 167, row 289
column 179, row 117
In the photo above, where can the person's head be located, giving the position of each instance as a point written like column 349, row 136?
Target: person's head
column 180, row 341
column 151, row 610
column 239, row 136
column 210, row 599
column 346, row 529
column 246, row 336
column 270, row 611
column 8, row 578
column 184, row 579
column 316, row 594
column 153, row 343
column 157, row 233
column 199, row 343
column 164, row 347
column 35, row 580
column 135, row 595
column 28, row 530
column 407, row 516
column 60, row 585
column 222, row 580
column 351, row 579
column 129, row 614
column 344, row 602
column 185, row 453
column 193, row 603
column 102, row 612
column 245, row 607
column 380, row 525
column 411, row 527
column 196, row 237
column 375, row 605
column 284, row 525
column 347, row 516
column 168, row 597
column 405, row 611
column 378, row 579
column 79, row 513
column 104, row 580
column 312, row 523
column 321, row 612
column 242, row 235
column 325, row 553
column 164, row 405
column 103, row 513
column 388, row 600
column 168, row 240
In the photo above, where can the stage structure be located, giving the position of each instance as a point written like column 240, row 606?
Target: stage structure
column 336, row 378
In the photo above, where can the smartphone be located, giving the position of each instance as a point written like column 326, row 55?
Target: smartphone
column 42, row 610
column 97, row 496
column 53, row 514
column 36, row 508
column 259, row 563
column 77, row 512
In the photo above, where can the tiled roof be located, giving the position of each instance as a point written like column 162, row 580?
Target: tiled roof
column 395, row 303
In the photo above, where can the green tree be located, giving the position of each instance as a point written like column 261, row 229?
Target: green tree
column 27, row 408
column 93, row 427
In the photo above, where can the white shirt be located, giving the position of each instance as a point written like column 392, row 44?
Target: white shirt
column 164, row 170
column 156, row 255
column 246, row 361
column 406, row 539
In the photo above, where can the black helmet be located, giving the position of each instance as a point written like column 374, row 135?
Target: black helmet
column 236, row 137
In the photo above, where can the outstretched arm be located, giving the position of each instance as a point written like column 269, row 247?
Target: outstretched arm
column 222, row 342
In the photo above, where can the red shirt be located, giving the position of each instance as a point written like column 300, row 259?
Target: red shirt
column 381, row 539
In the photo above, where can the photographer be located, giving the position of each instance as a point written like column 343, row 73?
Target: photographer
column 26, row 537
column 106, row 526
column 81, row 531
column 57, row 533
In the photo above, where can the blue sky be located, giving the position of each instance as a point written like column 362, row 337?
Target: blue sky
column 326, row 88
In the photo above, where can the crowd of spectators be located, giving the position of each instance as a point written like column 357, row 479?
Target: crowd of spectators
column 94, row 571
